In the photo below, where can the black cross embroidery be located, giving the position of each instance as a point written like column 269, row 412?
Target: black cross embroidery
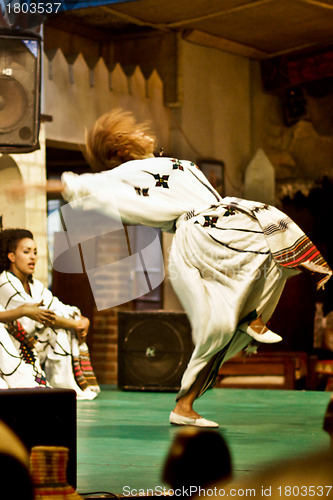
column 142, row 191
column 210, row 221
column 229, row 211
column 176, row 165
column 161, row 180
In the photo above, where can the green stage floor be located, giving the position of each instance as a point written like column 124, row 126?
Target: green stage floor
column 124, row 437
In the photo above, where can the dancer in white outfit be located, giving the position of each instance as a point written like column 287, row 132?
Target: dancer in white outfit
column 229, row 259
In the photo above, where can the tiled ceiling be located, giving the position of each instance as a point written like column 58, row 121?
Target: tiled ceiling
column 255, row 28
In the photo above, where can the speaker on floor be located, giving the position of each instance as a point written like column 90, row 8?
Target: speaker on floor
column 43, row 417
column 154, row 348
column 20, row 81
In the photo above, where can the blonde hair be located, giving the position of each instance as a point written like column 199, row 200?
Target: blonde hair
column 111, row 140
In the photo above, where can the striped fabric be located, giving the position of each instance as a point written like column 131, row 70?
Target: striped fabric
column 83, row 372
column 290, row 246
column 280, row 225
column 305, row 256
column 88, row 372
column 78, row 374
column 25, row 354
column 16, row 330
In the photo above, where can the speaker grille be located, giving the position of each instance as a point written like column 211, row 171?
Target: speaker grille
column 19, row 93
column 13, row 103
column 153, row 349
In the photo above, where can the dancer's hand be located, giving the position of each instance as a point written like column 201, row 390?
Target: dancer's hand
column 81, row 328
column 34, row 311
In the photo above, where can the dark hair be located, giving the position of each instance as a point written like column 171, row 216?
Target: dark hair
column 9, row 239
column 197, row 457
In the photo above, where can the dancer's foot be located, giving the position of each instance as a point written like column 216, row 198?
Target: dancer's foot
column 177, row 419
column 183, row 414
column 185, row 409
column 259, row 331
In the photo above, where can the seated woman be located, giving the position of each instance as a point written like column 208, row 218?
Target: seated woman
column 19, row 363
column 60, row 347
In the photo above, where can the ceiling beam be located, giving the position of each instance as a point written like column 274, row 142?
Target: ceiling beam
column 219, row 13
column 317, row 3
column 134, row 20
column 216, row 42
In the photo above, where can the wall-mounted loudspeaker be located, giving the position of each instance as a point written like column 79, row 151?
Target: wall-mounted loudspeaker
column 43, row 417
column 20, row 63
column 154, row 348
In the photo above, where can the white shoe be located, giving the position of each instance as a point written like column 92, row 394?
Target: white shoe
column 176, row 419
column 267, row 337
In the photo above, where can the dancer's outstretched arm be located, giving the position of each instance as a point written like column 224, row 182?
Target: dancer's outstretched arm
column 16, row 191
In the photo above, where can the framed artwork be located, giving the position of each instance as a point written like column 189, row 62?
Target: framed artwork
column 214, row 171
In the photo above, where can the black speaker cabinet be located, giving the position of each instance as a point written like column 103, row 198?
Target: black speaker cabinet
column 20, row 68
column 43, row 417
column 154, row 348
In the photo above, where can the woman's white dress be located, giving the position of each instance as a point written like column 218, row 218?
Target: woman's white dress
column 58, row 350
column 229, row 258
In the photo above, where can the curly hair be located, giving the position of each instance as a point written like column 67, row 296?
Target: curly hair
column 9, row 239
column 113, row 132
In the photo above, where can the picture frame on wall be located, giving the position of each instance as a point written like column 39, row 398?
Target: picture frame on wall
column 214, row 171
